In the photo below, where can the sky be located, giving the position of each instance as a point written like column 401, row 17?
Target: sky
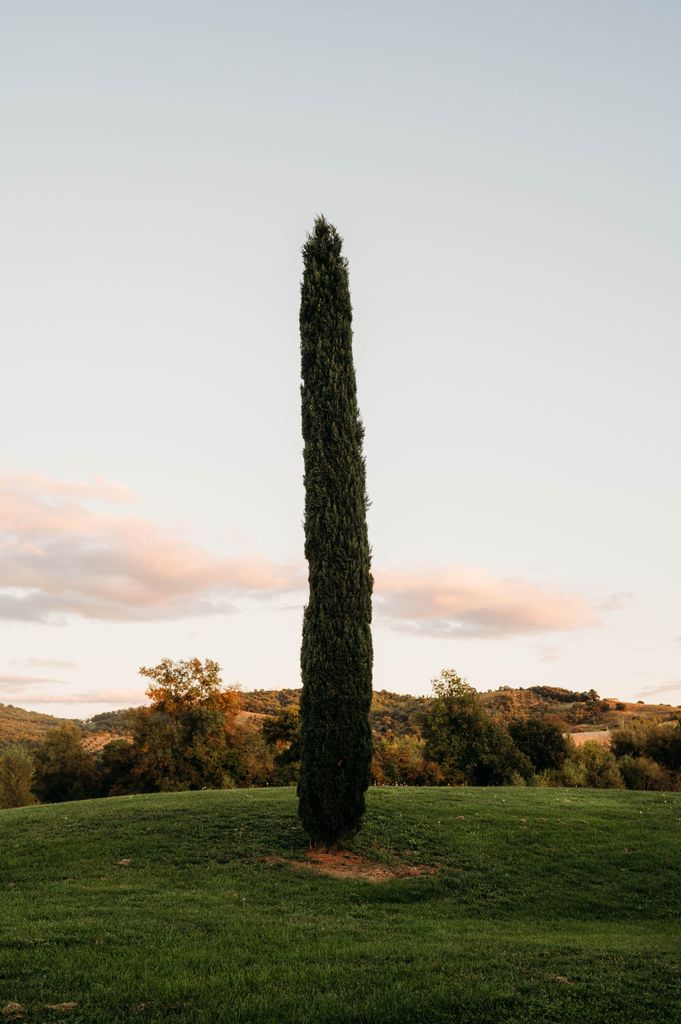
column 505, row 178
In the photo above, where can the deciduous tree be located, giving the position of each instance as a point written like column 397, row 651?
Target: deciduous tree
column 541, row 741
column 185, row 739
column 465, row 741
column 65, row 770
column 17, row 773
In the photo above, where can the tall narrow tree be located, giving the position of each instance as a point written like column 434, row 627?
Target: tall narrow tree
column 337, row 656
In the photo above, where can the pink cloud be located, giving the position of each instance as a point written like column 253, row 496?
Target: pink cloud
column 20, row 682
column 548, row 653
column 124, row 697
column 663, row 688
column 59, row 556
column 48, row 486
column 63, row 552
column 464, row 602
column 44, row 663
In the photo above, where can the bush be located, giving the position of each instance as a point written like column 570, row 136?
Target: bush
column 465, row 742
column 644, row 773
column 660, row 741
column 250, row 761
column 401, row 761
column 664, row 745
column 540, row 741
column 600, row 766
column 17, row 773
column 572, row 774
column 116, row 765
column 281, row 733
column 64, row 769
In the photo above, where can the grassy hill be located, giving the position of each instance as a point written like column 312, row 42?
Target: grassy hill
column 503, row 905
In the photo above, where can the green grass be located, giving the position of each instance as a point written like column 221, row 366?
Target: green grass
column 534, row 886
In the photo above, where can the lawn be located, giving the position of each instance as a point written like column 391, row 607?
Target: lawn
column 545, row 906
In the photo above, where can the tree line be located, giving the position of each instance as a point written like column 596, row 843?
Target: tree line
column 194, row 735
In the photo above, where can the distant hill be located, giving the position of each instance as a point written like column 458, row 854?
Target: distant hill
column 18, row 725
column 391, row 713
column 571, row 710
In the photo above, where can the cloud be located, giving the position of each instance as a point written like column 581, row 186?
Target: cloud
column 126, row 697
column 50, row 487
column 60, row 556
column 547, row 653
column 44, row 663
column 20, row 687
column 464, row 602
column 64, row 552
column 673, row 687
column 615, row 602
column 20, row 682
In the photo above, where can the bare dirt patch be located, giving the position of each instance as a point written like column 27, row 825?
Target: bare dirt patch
column 12, row 1011
column 344, row 864
column 601, row 736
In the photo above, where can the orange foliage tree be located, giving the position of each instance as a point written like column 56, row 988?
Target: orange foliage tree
column 186, row 739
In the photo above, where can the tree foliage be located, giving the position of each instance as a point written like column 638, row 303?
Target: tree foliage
column 336, row 655
column 601, row 770
column 644, row 773
column 660, row 741
column 65, row 770
column 282, row 734
column 17, row 774
column 468, row 744
column 542, row 742
column 402, row 761
column 185, row 739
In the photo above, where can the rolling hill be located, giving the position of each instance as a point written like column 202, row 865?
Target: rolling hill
column 391, row 713
column 501, row 906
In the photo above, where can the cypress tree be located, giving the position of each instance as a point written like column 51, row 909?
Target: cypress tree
column 336, row 655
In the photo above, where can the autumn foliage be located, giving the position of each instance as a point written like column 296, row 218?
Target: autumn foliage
column 185, row 739
column 198, row 733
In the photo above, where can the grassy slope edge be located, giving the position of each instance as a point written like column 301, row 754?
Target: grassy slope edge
column 549, row 905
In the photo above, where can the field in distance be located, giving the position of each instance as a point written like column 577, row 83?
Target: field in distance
column 485, row 906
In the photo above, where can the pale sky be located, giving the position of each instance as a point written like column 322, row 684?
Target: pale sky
column 505, row 176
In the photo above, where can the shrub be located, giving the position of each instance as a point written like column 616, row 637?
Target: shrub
column 117, row 764
column 600, row 766
column 281, row 733
column 402, row 761
column 463, row 739
column 664, row 745
column 540, row 741
column 250, row 761
column 64, row 769
column 644, row 773
column 17, row 773
column 660, row 741
column 572, row 774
